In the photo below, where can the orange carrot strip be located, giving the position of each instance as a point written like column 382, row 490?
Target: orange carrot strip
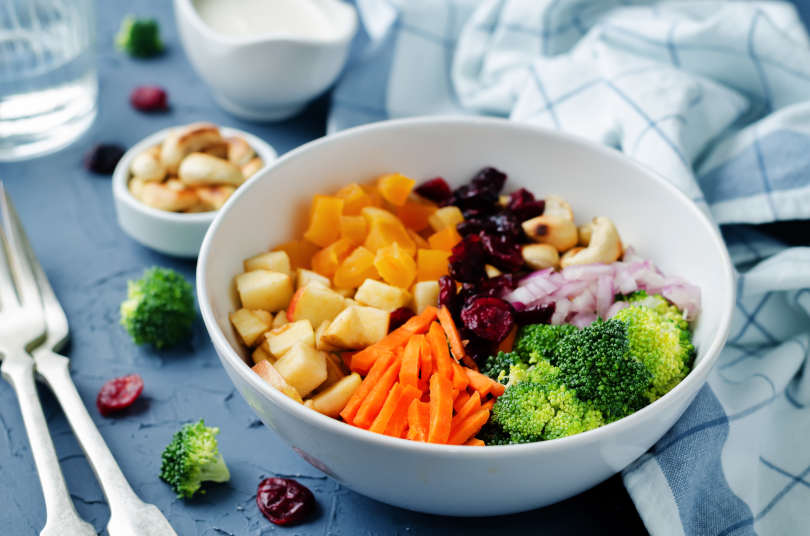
column 472, row 405
column 469, row 427
column 399, row 419
column 387, row 410
column 409, row 373
column 508, row 343
column 443, row 363
column 347, row 359
column 460, row 400
column 460, row 380
column 418, row 420
column 362, row 360
column 374, row 375
column 488, row 404
column 475, row 442
column 372, row 404
column 484, row 384
column 425, row 364
column 497, row 388
column 454, row 338
column 441, row 409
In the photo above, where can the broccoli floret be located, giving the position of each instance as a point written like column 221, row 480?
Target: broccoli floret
column 660, row 305
column 497, row 366
column 536, row 341
column 193, row 458
column 493, row 434
column 530, row 411
column 662, row 344
column 597, row 363
column 159, row 308
column 139, row 37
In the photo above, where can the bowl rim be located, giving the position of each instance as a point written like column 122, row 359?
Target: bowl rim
column 313, row 418
column 120, row 176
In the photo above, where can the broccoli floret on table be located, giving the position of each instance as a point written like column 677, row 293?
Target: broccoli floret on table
column 193, row 458
column 159, row 309
column 139, row 37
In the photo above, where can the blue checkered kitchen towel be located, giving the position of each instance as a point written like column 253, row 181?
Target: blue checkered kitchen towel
column 713, row 96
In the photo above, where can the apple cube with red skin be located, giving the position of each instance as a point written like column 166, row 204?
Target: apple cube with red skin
column 281, row 339
column 315, row 303
column 303, row 367
column 271, row 375
column 250, row 325
column 263, row 289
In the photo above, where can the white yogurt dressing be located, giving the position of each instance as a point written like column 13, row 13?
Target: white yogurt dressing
column 248, row 18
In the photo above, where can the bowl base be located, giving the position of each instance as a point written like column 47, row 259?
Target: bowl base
column 259, row 113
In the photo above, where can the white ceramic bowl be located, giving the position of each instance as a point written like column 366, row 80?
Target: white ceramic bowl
column 266, row 77
column 172, row 233
column 651, row 215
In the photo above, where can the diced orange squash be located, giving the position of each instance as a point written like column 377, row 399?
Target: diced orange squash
column 431, row 264
column 354, row 199
column 385, row 229
column 395, row 265
column 324, row 220
column 300, row 252
column 354, row 228
column 418, row 240
column 374, row 196
column 414, row 214
column 395, row 188
column 444, row 239
column 355, row 269
column 327, row 260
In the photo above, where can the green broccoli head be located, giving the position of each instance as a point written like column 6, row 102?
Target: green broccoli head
column 139, row 37
column 542, row 372
column 193, row 458
column 530, row 411
column 159, row 309
column 536, row 341
column 660, row 305
column 661, row 343
column 597, row 363
column 497, row 366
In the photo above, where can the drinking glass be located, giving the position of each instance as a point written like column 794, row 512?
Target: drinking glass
column 48, row 83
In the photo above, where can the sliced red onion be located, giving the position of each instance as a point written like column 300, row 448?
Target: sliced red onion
column 581, row 320
column 615, row 308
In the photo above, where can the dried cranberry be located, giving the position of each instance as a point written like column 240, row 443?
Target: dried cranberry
column 284, row 501
column 503, row 251
column 103, row 158
column 148, row 98
column 468, row 198
column 467, row 260
column 533, row 314
column 505, row 223
column 524, row 206
column 436, row 190
column 468, row 227
column 478, row 348
column 447, row 293
column 489, row 179
column 498, row 286
column 118, row 393
column 489, row 318
column 399, row 317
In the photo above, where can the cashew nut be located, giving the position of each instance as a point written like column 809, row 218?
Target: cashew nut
column 253, row 165
column 136, row 186
column 557, row 206
column 558, row 231
column 239, row 151
column 164, row 197
column 540, row 256
column 147, row 165
column 213, row 197
column 218, row 149
column 585, row 232
column 185, row 140
column 604, row 246
column 565, row 260
column 201, row 168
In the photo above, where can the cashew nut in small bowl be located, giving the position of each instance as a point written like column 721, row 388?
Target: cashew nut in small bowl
column 254, row 165
column 239, row 151
column 147, row 165
column 168, row 197
column 213, row 197
column 557, row 206
column 605, row 245
column 203, row 169
column 555, row 230
column 540, row 256
column 186, row 140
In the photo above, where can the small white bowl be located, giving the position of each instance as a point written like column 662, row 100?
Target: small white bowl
column 659, row 221
column 172, row 233
column 266, row 77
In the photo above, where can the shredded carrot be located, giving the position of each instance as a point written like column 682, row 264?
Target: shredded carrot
column 468, row 427
column 460, row 400
column 484, row 384
column 425, row 364
column 380, row 366
column 443, row 363
column 475, row 442
column 441, row 408
column 472, row 405
column 399, row 419
column 387, row 411
column 409, row 373
column 372, row 404
column 364, row 359
column 460, row 380
column 508, row 343
column 418, row 420
column 454, row 338
column 488, row 404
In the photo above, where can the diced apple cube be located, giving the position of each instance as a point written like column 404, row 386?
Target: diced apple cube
column 271, row 375
column 303, row 367
column 445, row 217
column 331, row 401
column 280, row 319
column 305, row 277
column 425, row 293
column 357, row 327
column 381, row 295
column 280, row 340
column 334, row 372
column 274, row 261
column 345, row 292
column 315, row 303
column 261, row 354
column 263, row 289
column 250, row 324
column 320, row 344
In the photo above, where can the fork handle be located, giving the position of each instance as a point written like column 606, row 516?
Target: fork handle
column 61, row 516
column 129, row 516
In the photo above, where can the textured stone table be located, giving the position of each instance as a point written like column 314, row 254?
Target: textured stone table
column 69, row 216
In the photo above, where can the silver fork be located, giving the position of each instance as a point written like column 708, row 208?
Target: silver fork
column 129, row 516
column 21, row 325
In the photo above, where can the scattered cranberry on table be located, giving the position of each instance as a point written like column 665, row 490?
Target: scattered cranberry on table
column 118, row 394
column 103, row 158
column 284, row 501
column 149, row 98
